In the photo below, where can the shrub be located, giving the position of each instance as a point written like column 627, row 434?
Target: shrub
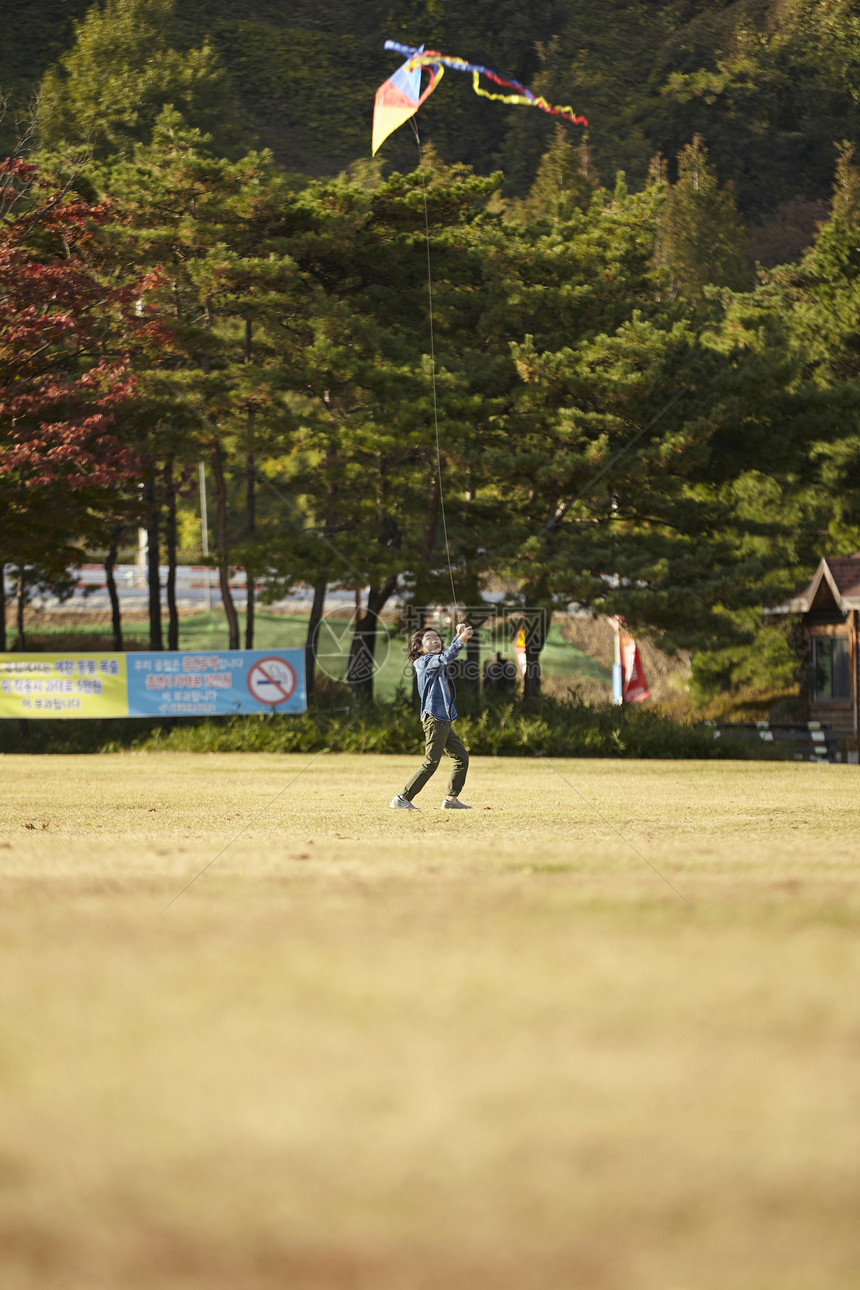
column 546, row 727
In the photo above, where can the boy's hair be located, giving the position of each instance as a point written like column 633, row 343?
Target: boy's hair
column 415, row 647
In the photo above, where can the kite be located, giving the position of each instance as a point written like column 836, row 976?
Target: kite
column 400, row 97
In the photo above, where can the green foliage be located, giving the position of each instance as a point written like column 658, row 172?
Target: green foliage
column 107, row 91
column 767, row 654
column 615, row 456
column 768, row 83
column 769, row 89
column 34, row 36
column 285, row 78
column 549, row 728
column 702, row 240
column 621, row 420
column 565, row 181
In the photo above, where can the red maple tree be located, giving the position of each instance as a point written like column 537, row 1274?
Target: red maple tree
column 68, row 337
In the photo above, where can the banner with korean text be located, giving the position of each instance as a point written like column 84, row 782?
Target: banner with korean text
column 163, row 684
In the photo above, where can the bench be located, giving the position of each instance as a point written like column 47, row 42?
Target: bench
column 807, row 740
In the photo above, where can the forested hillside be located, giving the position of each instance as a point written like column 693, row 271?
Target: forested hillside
column 769, row 84
column 646, row 356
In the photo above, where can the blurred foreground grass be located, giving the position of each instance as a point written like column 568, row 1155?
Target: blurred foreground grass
column 394, row 1051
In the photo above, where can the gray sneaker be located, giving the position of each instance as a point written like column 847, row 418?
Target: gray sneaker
column 455, row 805
column 402, row 803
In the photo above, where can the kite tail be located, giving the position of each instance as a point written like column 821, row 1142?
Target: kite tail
column 436, row 62
column 526, row 98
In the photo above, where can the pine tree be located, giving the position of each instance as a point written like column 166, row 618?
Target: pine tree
column 788, row 404
column 109, row 88
column 824, row 309
column 621, row 480
column 214, row 393
column 702, row 237
column 565, row 180
column 364, row 380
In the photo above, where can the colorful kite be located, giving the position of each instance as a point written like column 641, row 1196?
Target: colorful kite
column 400, row 97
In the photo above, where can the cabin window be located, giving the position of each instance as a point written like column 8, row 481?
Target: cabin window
column 831, row 668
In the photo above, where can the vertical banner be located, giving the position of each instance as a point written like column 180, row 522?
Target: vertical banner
column 162, row 684
column 520, row 650
column 628, row 675
column 617, row 671
column 635, row 687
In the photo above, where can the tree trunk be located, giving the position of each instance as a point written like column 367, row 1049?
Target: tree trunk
column 417, row 623
column 321, row 585
column 250, row 572
column 472, row 670
column 362, row 653
column 170, row 534
column 156, row 640
column 110, row 565
column 2, row 608
column 221, row 544
column 251, row 506
column 536, row 625
column 431, row 519
column 221, row 512
column 418, row 608
column 317, row 607
column 21, row 600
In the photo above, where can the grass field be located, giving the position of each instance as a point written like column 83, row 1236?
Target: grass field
column 383, row 1050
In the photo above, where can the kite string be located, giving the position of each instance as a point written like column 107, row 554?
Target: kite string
column 433, row 370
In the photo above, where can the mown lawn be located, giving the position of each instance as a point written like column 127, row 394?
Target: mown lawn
column 602, row 1031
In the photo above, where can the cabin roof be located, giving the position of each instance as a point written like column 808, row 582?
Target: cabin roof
column 836, row 581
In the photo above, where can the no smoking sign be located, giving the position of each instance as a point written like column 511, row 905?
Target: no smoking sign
column 272, row 681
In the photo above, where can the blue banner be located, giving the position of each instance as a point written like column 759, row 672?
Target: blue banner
column 172, row 684
column 210, row 683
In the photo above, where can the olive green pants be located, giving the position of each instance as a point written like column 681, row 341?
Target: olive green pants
column 439, row 737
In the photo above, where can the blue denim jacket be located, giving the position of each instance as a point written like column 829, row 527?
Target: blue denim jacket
column 431, row 671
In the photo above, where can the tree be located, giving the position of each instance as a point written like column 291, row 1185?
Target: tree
column 565, row 180
column 769, row 88
column 617, row 468
column 66, row 338
column 214, row 392
column 823, row 299
column 107, row 91
column 366, row 433
column 702, row 239
column 788, row 401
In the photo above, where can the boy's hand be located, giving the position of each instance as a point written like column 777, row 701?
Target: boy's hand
column 464, row 631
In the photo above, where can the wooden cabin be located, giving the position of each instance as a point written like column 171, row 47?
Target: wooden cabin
column 830, row 609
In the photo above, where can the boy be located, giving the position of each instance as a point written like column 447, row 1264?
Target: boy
column 438, row 713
